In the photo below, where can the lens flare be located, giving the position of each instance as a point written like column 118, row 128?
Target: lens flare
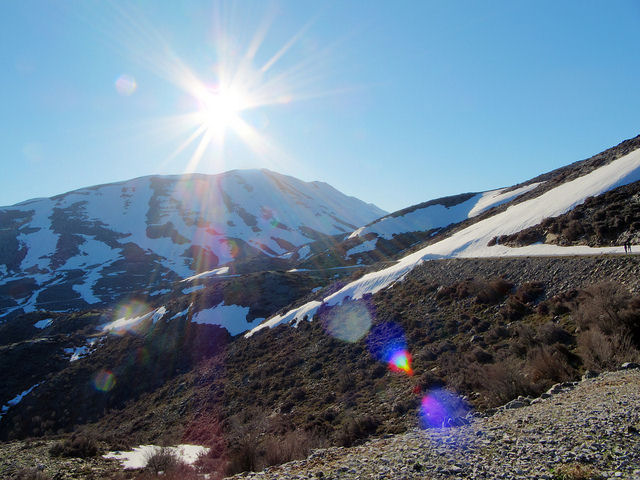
column 440, row 409
column 126, row 85
column 400, row 361
column 104, row 381
column 348, row 322
column 387, row 343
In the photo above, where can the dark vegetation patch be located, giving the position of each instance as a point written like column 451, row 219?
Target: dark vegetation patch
column 12, row 223
column 166, row 230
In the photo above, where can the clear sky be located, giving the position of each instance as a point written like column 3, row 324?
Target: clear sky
column 393, row 102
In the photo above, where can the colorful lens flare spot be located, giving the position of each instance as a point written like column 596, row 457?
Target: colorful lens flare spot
column 401, row 362
column 104, row 381
column 440, row 409
column 126, row 85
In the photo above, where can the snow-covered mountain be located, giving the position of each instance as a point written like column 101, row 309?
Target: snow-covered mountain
column 98, row 243
column 565, row 189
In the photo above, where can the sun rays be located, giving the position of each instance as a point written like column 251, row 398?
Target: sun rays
column 230, row 92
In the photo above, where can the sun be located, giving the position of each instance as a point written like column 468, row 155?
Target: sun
column 219, row 109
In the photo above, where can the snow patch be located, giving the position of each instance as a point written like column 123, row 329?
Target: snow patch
column 363, row 247
column 189, row 290
column 122, row 325
column 231, row 317
column 160, row 292
column 43, row 323
column 16, row 400
column 182, row 313
column 308, row 309
column 139, row 456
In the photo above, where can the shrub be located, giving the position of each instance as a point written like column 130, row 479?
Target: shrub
column 609, row 308
column 293, row 445
column 79, row 446
column 355, row 430
column 481, row 356
column 163, row 460
column 529, row 292
column 514, row 309
column 502, row 382
column 550, row 333
column 548, row 365
column 576, row 471
column 604, row 352
column 244, row 457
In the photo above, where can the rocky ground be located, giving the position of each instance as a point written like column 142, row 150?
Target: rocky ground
column 590, row 430
column 557, row 273
column 581, row 430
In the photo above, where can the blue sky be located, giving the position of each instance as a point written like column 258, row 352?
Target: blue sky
column 393, row 102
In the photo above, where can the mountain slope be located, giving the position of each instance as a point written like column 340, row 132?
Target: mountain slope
column 478, row 239
column 96, row 244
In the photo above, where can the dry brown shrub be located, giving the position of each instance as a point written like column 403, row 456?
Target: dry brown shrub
column 502, row 382
column 605, row 352
column 293, row 445
column 607, row 306
column 547, row 364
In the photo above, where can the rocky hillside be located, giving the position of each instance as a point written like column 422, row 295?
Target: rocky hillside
column 586, row 431
column 488, row 329
column 581, row 430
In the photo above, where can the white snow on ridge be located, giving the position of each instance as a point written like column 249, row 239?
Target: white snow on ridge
column 231, row 317
column 139, row 456
column 209, row 273
column 16, row 400
column 472, row 241
column 295, row 314
column 434, row 216
column 128, row 324
column 494, row 198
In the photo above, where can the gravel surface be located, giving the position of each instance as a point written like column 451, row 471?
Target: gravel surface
column 589, row 427
column 558, row 273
